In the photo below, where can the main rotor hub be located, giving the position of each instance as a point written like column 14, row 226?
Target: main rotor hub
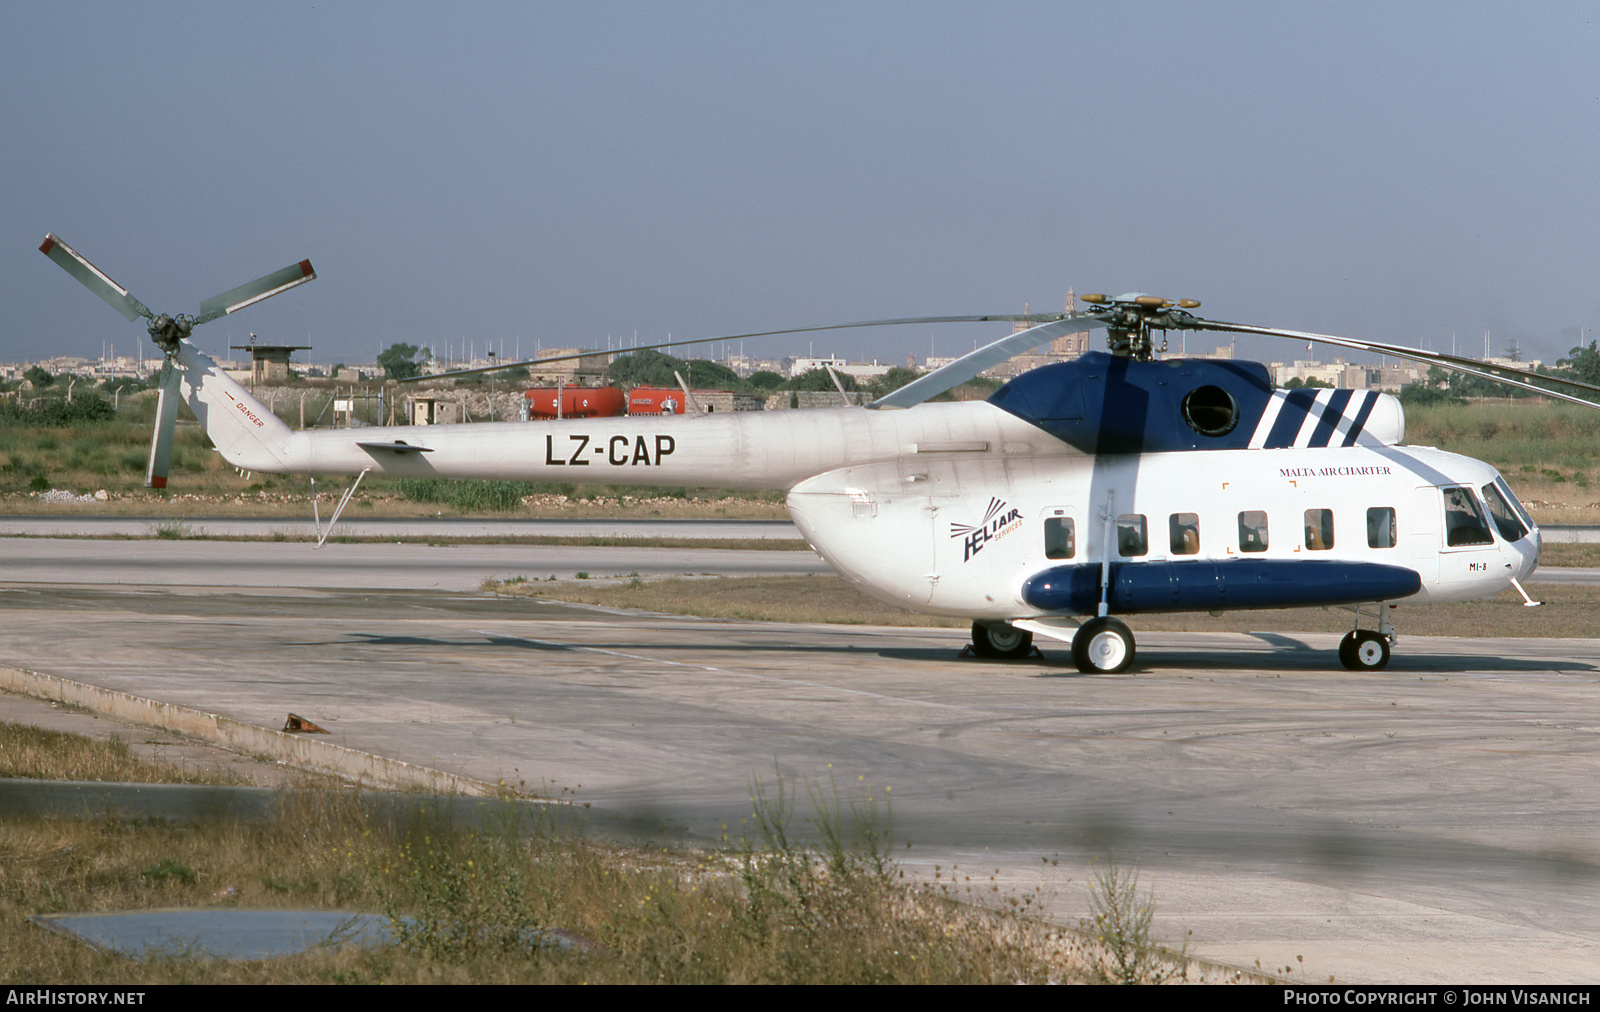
column 1130, row 318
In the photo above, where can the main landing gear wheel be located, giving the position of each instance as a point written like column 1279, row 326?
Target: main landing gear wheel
column 1102, row 646
column 1001, row 642
column 1364, row 650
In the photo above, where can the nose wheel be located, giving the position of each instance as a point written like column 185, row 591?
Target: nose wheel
column 1368, row 649
column 1364, row 650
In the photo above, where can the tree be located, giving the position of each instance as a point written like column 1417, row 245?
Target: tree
column 765, row 379
column 1582, row 363
column 648, row 367
column 1424, row 395
column 120, row 384
column 819, row 379
column 403, row 361
column 892, row 380
column 38, row 376
column 708, row 375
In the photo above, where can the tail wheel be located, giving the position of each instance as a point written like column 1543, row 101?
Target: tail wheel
column 1364, row 650
column 1001, row 642
column 1103, row 646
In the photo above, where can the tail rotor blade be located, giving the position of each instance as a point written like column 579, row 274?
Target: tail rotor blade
column 93, row 278
column 155, row 476
column 261, row 288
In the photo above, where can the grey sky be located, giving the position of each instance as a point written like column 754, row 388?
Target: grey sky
column 564, row 172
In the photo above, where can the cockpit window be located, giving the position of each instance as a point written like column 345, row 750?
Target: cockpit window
column 1505, row 520
column 1511, row 497
column 1463, row 519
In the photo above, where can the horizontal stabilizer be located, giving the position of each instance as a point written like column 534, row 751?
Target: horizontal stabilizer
column 395, row 447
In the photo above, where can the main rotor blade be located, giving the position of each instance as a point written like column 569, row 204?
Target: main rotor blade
column 971, row 364
column 1466, row 366
column 155, row 475
column 1028, row 318
column 93, row 278
column 255, row 291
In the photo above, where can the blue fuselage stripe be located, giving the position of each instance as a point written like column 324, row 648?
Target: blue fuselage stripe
column 1287, row 426
column 1204, row 585
column 1330, row 417
column 1369, row 401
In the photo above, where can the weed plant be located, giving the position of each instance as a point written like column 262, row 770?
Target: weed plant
column 1122, row 921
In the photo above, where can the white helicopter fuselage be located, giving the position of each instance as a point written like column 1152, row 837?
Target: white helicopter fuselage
column 1110, row 484
column 966, row 508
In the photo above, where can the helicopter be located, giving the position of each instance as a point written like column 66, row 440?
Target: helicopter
column 1078, row 495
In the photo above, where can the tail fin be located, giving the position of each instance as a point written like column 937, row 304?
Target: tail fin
column 246, row 431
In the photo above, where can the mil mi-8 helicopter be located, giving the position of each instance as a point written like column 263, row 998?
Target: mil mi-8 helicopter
column 1112, row 485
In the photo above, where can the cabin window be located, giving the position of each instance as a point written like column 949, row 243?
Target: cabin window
column 1380, row 527
column 1253, row 531
column 1505, row 520
column 1463, row 519
column 1319, row 530
column 1060, row 541
column 1185, row 529
column 1133, row 537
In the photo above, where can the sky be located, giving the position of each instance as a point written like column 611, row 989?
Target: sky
column 531, row 174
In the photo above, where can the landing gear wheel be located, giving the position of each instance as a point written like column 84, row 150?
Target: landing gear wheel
column 1001, row 642
column 1364, row 650
column 1102, row 646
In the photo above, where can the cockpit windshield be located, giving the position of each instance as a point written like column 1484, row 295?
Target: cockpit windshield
column 1506, row 520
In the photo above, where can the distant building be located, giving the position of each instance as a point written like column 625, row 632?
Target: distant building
column 269, row 363
column 1062, row 349
column 590, row 369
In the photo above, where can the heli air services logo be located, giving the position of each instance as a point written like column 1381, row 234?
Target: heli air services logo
column 997, row 523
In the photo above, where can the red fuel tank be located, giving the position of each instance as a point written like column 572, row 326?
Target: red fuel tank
column 576, row 402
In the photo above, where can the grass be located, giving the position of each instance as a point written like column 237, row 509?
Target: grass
column 1548, row 452
column 481, row 906
column 37, row 753
column 1567, row 611
column 748, row 598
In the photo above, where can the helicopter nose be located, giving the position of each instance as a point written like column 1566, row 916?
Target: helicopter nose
column 1528, row 556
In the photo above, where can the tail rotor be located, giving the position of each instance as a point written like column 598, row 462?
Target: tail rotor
column 169, row 332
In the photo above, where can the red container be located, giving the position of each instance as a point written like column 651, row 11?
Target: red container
column 655, row 401
column 576, row 402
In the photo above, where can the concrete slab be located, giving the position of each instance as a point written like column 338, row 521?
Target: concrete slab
column 1432, row 822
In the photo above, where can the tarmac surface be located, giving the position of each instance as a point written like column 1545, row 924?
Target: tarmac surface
column 1434, row 822
column 58, row 525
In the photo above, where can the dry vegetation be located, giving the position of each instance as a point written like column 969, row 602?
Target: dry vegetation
column 1567, row 610
column 748, row 598
column 484, row 906
column 38, row 753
